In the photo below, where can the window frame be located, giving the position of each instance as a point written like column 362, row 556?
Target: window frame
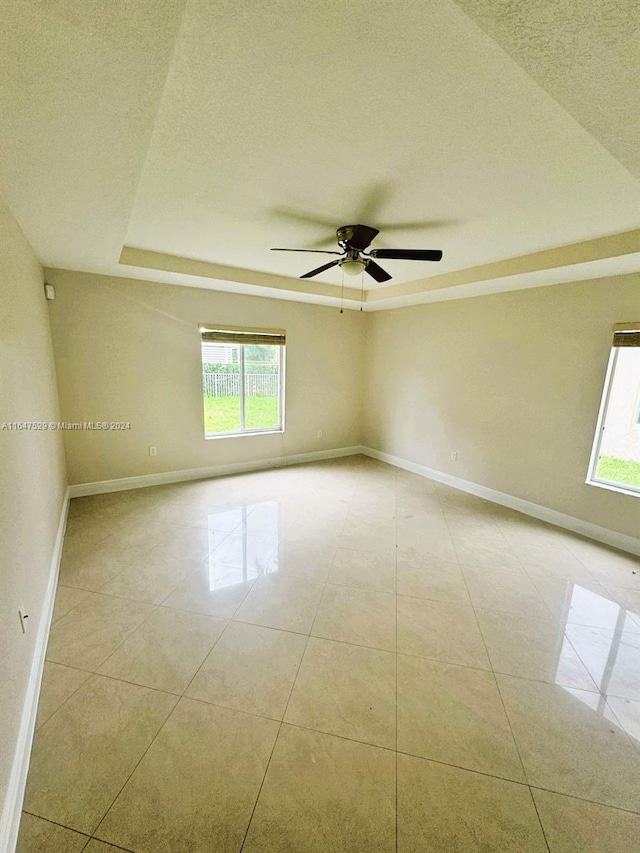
column 592, row 479
column 281, row 398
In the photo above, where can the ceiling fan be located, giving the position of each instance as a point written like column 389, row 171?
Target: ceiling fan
column 353, row 259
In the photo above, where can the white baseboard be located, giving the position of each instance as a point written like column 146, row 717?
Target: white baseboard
column 12, row 810
column 126, row 483
column 552, row 516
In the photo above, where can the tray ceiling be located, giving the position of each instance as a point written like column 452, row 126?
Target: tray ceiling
column 175, row 146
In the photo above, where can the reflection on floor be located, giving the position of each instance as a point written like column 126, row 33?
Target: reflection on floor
column 334, row 657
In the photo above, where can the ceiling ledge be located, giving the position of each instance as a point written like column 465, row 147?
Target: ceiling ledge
column 133, row 257
column 626, row 243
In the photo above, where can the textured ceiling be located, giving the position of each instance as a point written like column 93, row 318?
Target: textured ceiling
column 189, row 132
column 585, row 53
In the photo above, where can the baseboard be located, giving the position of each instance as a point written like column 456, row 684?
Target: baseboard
column 552, row 516
column 126, row 483
column 12, row 809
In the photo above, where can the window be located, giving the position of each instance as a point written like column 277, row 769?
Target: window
column 615, row 460
column 242, row 380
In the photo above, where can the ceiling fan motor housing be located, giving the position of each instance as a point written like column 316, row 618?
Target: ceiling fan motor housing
column 356, row 236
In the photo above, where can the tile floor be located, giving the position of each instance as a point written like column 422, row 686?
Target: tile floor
column 335, row 658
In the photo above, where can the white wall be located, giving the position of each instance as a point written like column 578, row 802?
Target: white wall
column 32, row 477
column 129, row 350
column 512, row 382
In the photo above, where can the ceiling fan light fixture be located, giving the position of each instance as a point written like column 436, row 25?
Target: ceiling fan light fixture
column 352, row 266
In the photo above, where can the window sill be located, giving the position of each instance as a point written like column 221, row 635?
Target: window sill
column 615, row 487
column 254, row 432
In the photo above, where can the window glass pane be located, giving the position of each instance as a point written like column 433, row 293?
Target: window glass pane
column 221, row 388
column 619, row 452
column 262, row 386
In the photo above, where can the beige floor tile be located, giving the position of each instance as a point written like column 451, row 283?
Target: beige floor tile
column 186, row 543
column 309, row 561
column 195, row 788
column 612, row 658
column 418, row 541
column 166, row 650
column 627, row 713
column 507, row 592
column 364, row 569
column 360, row 536
column 532, row 648
column 372, row 506
column 42, row 836
column 568, row 743
column 576, row 826
column 613, row 568
column 90, row 567
column 578, row 602
column 454, row 714
column 447, row 810
column 250, row 669
column 365, row 617
column 90, row 529
column 313, row 549
column 557, row 562
column 479, row 552
column 432, row 579
column 150, row 578
column 627, row 598
column 248, row 549
column 89, row 633
column 324, row 793
column 67, row 597
column 83, row 755
column 526, row 534
column 95, row 846
column 346, row 690
column 213, row 591
column 440, row 630
column 143, row 532
column 58, row 684
column 287, row 603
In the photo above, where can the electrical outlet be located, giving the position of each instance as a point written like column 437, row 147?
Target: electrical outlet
column 23, row 618
column 319, row 433
column 454, row 455
column 153, row 451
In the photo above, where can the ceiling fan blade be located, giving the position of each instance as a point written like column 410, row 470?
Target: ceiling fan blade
column 375, row 197
column 376, row 271
column 408, row 254
column 417, row 225
column 325, row 241
column 361, row 236
column 301, row 216
column 320, row 269
column 315, row 251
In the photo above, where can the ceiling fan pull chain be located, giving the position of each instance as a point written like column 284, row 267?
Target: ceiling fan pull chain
column 342, row 293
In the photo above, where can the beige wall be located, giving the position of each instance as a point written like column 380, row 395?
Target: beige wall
column 510, row 381
column 128, row 350
column 32, row 479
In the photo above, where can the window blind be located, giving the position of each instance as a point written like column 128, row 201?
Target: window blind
column 230, row 335
column 626, row 335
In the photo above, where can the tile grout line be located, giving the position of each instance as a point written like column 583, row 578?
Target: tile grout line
column 508, row 719
column 284, row 713
column 502, row 702
column 169, row 715
column 153, row 739
column 89, row 675
column 575, row 650
column 281, row 722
